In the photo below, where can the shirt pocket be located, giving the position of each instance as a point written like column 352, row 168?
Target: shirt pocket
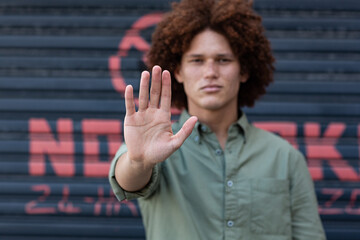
column 270, row 207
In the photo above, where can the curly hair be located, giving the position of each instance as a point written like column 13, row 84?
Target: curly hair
column 234, row 19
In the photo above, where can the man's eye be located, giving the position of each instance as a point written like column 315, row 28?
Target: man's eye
column 196, row 60
column 223, row 60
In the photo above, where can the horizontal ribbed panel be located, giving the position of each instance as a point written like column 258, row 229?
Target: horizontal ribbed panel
column 63, row 68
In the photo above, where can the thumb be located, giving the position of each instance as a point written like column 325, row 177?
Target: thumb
column 185, row 131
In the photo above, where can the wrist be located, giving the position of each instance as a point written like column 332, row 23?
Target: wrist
column 139, row 166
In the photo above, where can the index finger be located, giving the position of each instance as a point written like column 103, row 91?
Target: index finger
column 129, row 100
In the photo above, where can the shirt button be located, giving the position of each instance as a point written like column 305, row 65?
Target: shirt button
column 196, row 139
column 230, row 223
column 230, row 183
column 218, row 152
column 203, row 128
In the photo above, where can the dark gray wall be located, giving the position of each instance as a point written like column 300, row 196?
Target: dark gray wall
column 63, row 68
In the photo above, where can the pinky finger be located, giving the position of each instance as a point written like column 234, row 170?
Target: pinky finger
column 129, row 100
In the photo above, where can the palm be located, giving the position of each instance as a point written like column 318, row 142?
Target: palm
column 147, row 135
column 147, row 132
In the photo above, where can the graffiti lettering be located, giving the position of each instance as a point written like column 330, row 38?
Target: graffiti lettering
column 93, row 166
column 353, row 207
column 65, row 205
column 33, row 208
column 323, row 147
column 43, row 143
column 112, row 205
column 320, row 149
column 339, row 201
column 327, row 208
column 132, row 39
column 61, row 151
column 62, row 204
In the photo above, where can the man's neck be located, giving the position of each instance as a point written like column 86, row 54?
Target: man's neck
column 218, row 121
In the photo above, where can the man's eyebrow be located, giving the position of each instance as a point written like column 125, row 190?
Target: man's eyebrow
column 202, row 55
column 225, row 55
column 193, row 55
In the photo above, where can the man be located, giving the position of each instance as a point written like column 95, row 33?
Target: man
column 217, row 177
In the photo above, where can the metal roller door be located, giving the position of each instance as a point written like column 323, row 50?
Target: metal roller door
column 63, row 68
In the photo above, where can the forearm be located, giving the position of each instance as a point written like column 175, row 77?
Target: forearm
column 132, row 176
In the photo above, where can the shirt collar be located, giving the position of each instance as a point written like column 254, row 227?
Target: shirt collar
column 242, row 123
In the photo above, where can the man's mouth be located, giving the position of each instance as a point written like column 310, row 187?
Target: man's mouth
column 211, row 88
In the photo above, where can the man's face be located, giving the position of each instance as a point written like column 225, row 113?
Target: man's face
column 210, row 74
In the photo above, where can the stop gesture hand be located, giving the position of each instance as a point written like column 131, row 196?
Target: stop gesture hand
column 148, row 134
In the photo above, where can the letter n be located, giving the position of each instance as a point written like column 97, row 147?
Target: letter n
column 44, row 145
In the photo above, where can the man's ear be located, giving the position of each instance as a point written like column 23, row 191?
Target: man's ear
column 244, row 77
column 177, row 75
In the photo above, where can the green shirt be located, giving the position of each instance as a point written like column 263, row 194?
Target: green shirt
column 258, row 187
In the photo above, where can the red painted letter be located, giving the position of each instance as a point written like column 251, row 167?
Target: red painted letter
column 43, row 143
column 92, row 128
column 32, row 206
column 323, row 149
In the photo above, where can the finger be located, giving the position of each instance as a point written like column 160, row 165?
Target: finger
column 165, row 102
column 180, row 137
column 155, row 87
column 144, row 91
column 129, row 100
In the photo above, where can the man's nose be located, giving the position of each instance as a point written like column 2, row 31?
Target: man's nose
column 210, row 69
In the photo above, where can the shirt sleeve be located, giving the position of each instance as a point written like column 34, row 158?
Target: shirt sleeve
column 120, row 193
column 306, row 223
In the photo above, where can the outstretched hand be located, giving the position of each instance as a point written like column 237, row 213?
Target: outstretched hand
column 148, row 134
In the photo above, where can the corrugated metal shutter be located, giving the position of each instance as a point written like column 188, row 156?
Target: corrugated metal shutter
column 63, row 67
